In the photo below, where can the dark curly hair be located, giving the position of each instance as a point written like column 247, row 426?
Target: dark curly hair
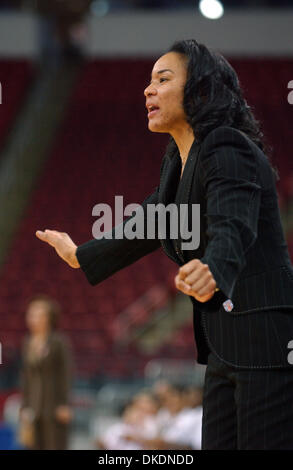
column 213, row 96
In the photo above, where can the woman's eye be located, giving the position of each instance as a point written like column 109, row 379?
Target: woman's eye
column 162, row 79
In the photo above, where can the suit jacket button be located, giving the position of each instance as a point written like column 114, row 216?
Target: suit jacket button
column 228, row 305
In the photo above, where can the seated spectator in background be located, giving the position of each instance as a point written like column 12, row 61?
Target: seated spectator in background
column 193, row 396
column 160, row 391
column 182, row 429
column 138, row 418
column 113, row 438
column 46, row 373
column 147, row 407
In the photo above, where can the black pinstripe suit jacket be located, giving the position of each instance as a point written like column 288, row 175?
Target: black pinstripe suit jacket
column 241, row 240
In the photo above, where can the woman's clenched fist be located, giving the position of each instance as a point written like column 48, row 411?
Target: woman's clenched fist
column 194, row 278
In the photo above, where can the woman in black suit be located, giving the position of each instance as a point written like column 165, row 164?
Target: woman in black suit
column 239, row 278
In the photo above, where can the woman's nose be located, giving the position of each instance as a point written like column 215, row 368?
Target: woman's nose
column 149, row 90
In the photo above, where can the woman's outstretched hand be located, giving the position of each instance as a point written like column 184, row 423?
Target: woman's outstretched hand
column 63, row 245
column 194, row 278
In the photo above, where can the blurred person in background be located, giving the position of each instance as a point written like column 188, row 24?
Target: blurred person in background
column 147, row 406
column 160, row 390
column 182, row 431
column 46, row 376
column 114, row 437
column 62, row 28
column 193, row 396
column 138, row 419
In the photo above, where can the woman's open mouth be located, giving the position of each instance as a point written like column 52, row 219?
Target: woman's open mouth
column 152, row 111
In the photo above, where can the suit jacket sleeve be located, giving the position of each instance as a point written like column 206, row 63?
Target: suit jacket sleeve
column 229, row 176
column 100, row 258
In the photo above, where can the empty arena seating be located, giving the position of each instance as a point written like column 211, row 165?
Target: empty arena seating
column 15, row 78
column 103, row 149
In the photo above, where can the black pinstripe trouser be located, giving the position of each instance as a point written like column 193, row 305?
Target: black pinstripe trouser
column 247, row 409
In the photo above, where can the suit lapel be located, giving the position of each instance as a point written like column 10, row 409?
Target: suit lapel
column 170, row 179
column 188, row 173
